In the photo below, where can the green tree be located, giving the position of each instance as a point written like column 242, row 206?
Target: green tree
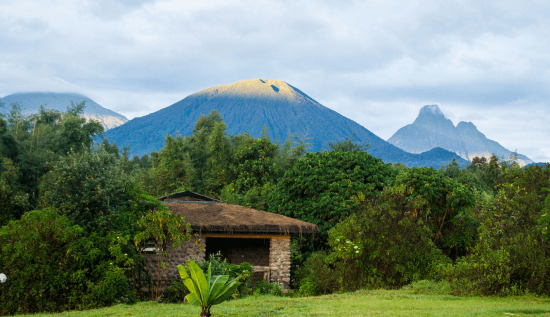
column 446, row 208
column 452, row 170
column 164, row 229
column 199, row 153
column 44, row 137
column 384, row 244
column 13, row 201
column 513, row 250
column 36, row 255
column 348, row 145
column 256, row 166
column 217, row 173
column 320, row 187
column 85, row 186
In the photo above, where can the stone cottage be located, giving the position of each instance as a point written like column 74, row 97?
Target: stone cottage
column 240, row 234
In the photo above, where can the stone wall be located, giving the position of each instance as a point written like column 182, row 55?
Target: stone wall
column 279, row 261
column 276, row 270
column 191, row 250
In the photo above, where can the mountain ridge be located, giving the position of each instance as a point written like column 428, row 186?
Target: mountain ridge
column 432, row 129
column 249, row 105
column 31, row 102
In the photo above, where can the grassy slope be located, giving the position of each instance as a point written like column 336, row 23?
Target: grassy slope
column 361, row 303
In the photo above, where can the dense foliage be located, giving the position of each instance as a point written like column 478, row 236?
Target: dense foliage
column 513, row 252
column 320, row 188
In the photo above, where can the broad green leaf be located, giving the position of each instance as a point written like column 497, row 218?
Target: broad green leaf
column 217, row 286
column 229, row 289
column 187, row 281
column 193, row 299
column 197, row 275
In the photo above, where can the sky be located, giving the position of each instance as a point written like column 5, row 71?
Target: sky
column 375, row 62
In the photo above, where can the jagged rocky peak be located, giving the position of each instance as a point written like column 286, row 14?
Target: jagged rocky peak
column 431, row 110
column 432, row 129
column 432, row 118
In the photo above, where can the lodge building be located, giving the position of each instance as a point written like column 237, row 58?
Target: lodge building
column 238, row 233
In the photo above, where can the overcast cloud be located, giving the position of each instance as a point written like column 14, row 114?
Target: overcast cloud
column 376, row 62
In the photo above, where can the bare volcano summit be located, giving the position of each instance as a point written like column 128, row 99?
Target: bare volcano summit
column 432, row 129
column 248, row 105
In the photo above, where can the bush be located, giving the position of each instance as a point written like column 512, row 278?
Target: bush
column 317, row 277
column 175, row 293
column 428, row 287
column 46, row 259
column 513, row 251
column 382, row 247
column 396, row 237
column 220, row 266
column 263, row 287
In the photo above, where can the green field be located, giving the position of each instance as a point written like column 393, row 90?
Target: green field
column 360, row 303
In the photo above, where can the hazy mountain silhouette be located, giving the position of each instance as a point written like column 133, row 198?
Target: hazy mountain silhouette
column 248, row 105
column 30, row 102
column 432, row 129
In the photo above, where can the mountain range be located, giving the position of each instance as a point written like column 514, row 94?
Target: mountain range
column 249, row 105
column 31, row 102
column 432, row 129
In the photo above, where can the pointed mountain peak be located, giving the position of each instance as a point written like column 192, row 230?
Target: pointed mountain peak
column 431, row 110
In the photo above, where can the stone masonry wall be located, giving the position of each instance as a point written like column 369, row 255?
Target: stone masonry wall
column 277, row 271
column 191, row 250
column 279, row 261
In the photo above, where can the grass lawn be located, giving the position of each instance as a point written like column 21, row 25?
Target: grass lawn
column 360, row 303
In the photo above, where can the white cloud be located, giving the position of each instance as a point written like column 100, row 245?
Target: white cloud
column 377, row 62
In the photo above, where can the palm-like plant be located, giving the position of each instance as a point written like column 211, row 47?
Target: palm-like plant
column 206, row 291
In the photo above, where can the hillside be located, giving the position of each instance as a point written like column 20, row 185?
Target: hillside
column 248, row 105
column 30, row 102
column 432, row 129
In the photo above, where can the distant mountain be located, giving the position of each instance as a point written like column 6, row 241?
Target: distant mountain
column 30, row 102
column 432, row 129
column 10, row 86
column 541, row 164
column 248, row 105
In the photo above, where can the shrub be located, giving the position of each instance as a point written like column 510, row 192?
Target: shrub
column 428, row 287
column 219, row 266
column 382, row 247
column 317, row 277
column 47, row 262
column 513, row 251
column 263, row 287
column 175, row 293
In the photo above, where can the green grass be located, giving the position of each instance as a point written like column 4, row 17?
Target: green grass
column 360, row 303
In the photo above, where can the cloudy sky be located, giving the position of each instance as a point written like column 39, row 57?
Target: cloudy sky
column 376, row 62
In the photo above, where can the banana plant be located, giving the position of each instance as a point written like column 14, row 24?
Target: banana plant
column 209, row 290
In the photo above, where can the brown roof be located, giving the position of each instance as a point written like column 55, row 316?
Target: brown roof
column 211, row 216
column 186, row 196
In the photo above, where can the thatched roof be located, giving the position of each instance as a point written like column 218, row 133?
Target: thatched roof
column 213, row 216
column 186, row 196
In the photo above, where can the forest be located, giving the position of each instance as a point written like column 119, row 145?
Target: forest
column 75, row 209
